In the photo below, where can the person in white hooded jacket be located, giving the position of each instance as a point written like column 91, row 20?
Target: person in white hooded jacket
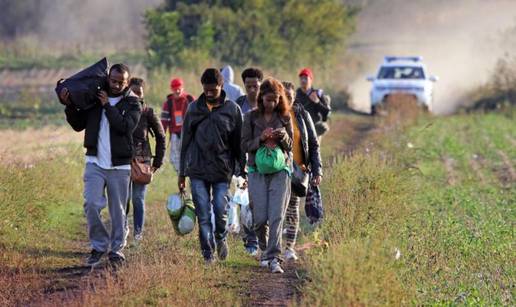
column 233, row 91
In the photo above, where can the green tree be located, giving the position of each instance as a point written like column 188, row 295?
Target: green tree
column 165, row 40
column 272, row 33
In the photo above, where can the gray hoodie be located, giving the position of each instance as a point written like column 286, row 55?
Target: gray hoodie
column 232, row 90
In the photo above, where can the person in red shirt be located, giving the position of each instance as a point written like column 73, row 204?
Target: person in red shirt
column 172, row 116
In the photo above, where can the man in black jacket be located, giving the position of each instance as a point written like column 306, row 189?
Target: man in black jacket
column 210, row 149
column 313, row 101
column 109, row 149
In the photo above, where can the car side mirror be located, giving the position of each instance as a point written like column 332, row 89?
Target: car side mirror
column 433, row 78
column 370, row 78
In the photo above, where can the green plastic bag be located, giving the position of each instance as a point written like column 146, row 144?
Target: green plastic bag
column 270, row 160
column 181, row 211
column 186, row 223
column 175, row 206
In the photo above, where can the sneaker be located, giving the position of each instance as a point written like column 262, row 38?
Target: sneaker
column 276, row 267
column 251, row 251
column 95, row 258
column 116, row 259
column 264, row 263
column 222, row 249
column 138, row 237
column 290, row 254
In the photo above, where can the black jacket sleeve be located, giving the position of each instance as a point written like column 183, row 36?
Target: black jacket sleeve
column 127, row 121
column 157, row 129
column 76, row 118
column 313, row 145
column 236, row 143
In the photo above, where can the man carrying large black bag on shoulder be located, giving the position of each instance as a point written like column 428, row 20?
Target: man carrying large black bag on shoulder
column 108, row 123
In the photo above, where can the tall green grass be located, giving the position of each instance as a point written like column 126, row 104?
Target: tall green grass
column 38, row 205
column 398, row 234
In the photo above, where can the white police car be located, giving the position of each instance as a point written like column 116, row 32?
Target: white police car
column 402, row 75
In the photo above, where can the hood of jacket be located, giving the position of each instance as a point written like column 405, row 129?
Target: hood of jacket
column 228, row 74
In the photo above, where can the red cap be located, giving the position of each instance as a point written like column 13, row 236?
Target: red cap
column 176, row 83
column 307, row 72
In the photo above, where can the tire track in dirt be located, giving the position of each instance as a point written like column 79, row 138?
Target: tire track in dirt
column 268, row 289
column 477, row 163
column 506, row 172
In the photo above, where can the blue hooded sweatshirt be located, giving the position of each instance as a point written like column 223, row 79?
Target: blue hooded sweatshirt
column 232, row 90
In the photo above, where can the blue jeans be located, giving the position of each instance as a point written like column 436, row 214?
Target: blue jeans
column 206, row 195
column 250, row 238
column 138, row 198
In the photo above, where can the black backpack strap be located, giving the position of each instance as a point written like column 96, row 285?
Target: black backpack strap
column 169, row 105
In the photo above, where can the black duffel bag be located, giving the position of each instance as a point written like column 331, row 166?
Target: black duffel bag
column 85, row 85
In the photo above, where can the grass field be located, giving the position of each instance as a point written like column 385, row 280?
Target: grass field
column 400, row 232
column 419, row 214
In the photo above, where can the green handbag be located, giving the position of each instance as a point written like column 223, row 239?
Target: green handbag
column 270, row 160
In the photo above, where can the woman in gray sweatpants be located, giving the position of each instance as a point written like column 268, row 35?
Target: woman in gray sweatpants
column 270, row 125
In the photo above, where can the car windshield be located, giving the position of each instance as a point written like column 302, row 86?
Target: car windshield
column 401, row 72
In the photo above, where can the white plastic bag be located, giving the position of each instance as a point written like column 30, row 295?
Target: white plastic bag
column 241, row 197
column 233, row 224
column 246, row 217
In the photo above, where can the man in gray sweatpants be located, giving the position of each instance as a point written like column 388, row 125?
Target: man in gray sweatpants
column 98, row 181
column 108, row 126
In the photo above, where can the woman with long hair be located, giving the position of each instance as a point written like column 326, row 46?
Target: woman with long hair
column 267, row 139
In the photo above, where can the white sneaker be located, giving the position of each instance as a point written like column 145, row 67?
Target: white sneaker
column 264, row 263
column 290, row 254
column 276, row 267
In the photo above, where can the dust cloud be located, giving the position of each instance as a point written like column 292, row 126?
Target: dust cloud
column 460, row 41
column 90, row 24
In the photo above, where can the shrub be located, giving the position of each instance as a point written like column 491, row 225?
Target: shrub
column 268, row 32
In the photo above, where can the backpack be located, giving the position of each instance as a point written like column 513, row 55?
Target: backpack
column 325, row 99
column 189, row 98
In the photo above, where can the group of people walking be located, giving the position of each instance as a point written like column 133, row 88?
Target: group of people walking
column 267, row 136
